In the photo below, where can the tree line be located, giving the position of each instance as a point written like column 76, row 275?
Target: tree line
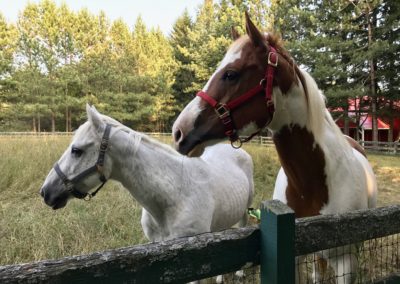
column 54, row 60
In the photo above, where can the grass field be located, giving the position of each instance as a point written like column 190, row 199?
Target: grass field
column 30, row 231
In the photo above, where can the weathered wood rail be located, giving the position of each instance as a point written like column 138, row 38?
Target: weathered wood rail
column 187, row 259
column 342, row 229
column 176, row 261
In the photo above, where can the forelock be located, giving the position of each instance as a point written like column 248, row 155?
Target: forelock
column 238, row 44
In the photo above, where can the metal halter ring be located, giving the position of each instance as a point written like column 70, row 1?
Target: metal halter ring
column 237, row 143
column 263, row 82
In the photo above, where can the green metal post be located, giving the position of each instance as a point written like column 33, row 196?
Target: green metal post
column 277, row 243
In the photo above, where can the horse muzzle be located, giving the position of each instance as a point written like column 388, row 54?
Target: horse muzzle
column 54, row 197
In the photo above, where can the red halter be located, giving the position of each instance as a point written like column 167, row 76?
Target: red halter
column 224, row 110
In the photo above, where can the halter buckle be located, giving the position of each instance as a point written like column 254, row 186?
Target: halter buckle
column 103, row 144
column 222, row 111
column 99, row 168
column 272, row 55
column 88, row 197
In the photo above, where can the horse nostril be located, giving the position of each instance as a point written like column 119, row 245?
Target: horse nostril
column 45, row 196
column 41, row 192
column 177, row 135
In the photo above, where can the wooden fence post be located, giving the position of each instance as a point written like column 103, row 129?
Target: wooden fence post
column 277, row 243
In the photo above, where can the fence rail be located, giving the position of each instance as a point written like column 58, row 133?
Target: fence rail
column 205, row 255
column 16, row 134
column 342, row 229
column 381, row 147
column 385, row 147
column 176, row 261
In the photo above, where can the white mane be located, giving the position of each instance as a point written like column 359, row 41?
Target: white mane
column 138, row 135
column 319, row 117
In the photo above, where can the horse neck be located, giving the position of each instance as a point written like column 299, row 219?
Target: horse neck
column 149, row 170
column 309, row 144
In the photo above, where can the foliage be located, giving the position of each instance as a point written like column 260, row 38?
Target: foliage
column 54, row 59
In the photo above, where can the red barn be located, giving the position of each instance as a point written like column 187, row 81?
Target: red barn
column 365, row 122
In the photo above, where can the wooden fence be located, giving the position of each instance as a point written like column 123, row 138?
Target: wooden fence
column 273, row 245
column 382, row 147
column 379, row 147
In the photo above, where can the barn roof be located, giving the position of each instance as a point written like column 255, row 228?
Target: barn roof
column 366, row 122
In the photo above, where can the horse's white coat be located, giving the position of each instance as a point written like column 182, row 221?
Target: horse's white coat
column 180, row 196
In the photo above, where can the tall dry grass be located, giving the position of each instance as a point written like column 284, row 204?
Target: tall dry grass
column 30, row 231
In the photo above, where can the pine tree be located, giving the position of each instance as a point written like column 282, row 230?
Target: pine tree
column 180, row 42
column 8, row 41
column 206, row 47
column 335, row 41
column 388, row 66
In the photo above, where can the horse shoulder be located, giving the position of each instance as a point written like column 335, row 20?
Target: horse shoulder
column 371, row 184
column 352, row 186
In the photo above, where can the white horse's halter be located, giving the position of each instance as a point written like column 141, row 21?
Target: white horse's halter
column 98, row 167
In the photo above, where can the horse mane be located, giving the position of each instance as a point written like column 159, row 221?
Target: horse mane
column 276, row 41
column 144, row 137
column 318, row 115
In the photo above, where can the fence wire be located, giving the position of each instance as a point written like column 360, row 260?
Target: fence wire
column 365, row 262
column 246, row 276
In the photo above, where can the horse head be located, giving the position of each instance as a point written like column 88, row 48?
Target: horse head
column 83, row 165
column 239, row 98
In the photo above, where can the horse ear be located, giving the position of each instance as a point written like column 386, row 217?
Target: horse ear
column 235, row 34
column 94, row 117
column 255, row 35
column 88, row 109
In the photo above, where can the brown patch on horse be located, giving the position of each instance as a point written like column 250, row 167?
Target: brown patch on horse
column 353, row 143
column 304, row 165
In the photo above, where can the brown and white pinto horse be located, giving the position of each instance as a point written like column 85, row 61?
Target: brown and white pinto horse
column 258, row 85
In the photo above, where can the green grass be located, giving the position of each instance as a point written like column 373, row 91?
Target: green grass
column 30, row 230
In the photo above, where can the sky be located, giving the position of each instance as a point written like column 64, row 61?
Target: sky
column 155, row 13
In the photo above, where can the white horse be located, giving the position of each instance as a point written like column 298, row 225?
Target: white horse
column 180, row 196
column 257, row 85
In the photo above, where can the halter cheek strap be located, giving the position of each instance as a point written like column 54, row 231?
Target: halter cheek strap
column 223, row 111
column 98, row 167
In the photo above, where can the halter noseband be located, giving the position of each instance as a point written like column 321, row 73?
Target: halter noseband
column 223, row 111
column 98, row 167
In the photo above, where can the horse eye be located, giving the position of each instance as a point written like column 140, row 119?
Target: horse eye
column 230, row 75
column 76, row 152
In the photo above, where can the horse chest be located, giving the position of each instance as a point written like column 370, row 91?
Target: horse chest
column 304, row 164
